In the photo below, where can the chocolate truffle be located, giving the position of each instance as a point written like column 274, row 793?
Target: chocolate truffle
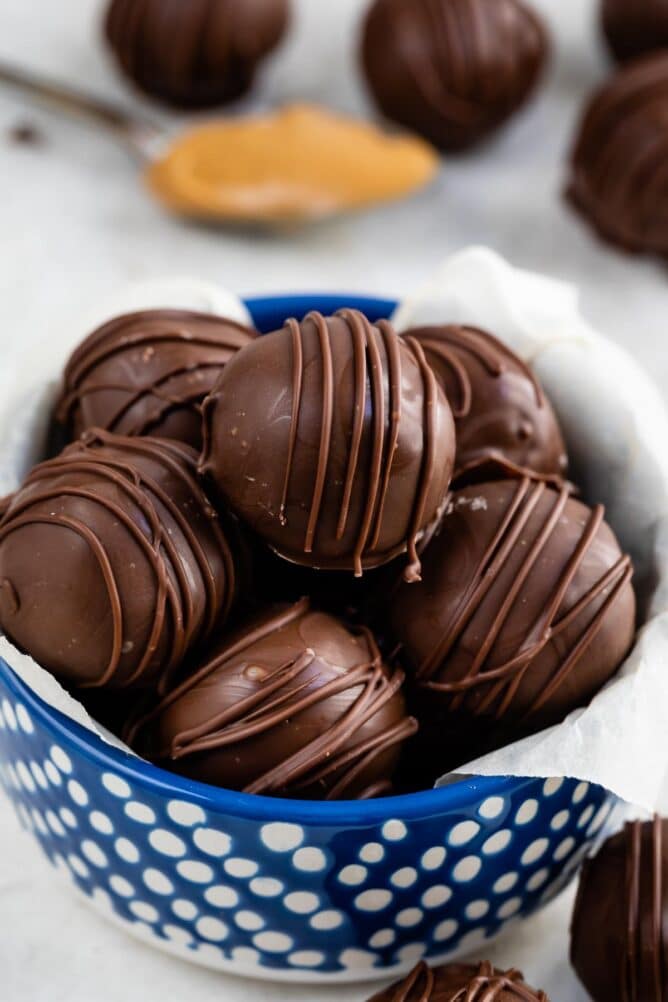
column 453, row 70
column 500, row 409
column 635, row 27
column 460, row 983
column 113, row 563
column 619, row 932
column 617, row 165
column 524, row 611
column 194, row 53
column 332, row 439
column 294, row 705
column 147, row 374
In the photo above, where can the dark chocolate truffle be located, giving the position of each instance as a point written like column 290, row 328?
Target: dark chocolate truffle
column 500, row 409
column 618, row 162
column 635, row 27
column 619, row 933
column 460, row 983
column 294, row 705
column 147, row 374
column 453, row 70
column 113, row 563
column 332, row 439
column 524, row 611
column 194, row 53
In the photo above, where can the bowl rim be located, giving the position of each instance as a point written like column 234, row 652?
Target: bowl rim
column 457, row 795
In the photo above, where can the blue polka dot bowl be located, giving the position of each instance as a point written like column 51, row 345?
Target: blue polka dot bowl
column 289, row 890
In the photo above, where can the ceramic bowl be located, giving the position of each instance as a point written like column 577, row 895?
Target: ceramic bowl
column 288, row 889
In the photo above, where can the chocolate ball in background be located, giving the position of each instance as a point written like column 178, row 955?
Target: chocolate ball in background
column 460, row 983
column 295, row 704
column 617, row 163
column 194, row 53
column 500, row 408
column 524, row 611
column 633, row 28
column 452, row 70
column 619, row 931
column 113, row 564
column 147, row 373
column 333, row 441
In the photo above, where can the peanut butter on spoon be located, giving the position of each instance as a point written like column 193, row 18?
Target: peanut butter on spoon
column 297, row 164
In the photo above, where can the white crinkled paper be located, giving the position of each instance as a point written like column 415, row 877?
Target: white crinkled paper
column 616, row 429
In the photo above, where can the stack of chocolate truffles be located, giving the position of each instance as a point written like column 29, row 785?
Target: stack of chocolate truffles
column 334, row 561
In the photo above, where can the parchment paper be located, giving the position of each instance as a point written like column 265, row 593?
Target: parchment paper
column 616, row 430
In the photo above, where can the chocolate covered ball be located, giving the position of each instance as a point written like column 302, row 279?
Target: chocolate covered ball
column 113, row 564
column 635, row 27
column 619, row 932
column 500, row 409
column 452, row 70
column 194, row 53
column 332, row 440
column 293, row 705
column 460, row 983
column 617, row 164
column 147, row 373
column 524, row 611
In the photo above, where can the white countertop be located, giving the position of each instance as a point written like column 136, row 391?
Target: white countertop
column 75, row 224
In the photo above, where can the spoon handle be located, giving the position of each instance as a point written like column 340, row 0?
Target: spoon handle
column 144, row 139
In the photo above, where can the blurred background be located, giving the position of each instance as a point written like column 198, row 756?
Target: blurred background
column 75, row 224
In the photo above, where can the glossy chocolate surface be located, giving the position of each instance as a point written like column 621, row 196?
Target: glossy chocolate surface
column 113, row 564
column 295, row 704
column 194, row 53
column 452, row 70
column 500, row 409
column 460, row 983
column 333, row 441
column 617, row 178
column 524, row 611
column 148, row 373
column 619, row 933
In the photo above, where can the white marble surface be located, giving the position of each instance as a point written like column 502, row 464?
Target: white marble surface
column 74, row 224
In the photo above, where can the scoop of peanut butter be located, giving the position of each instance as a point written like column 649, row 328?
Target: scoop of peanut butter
column 301, row 163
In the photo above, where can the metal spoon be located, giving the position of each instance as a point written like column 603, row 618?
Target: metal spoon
column 144, row 140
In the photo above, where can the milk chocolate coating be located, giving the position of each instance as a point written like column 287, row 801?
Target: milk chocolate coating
column 524, row 611
column 619, row 932
column 332, row 439
column 635, row 28
column 453, row 70
column 460, row 983
column 147, row 373
column 113, row 563
column 500, row 409
column 294, row 705
column 194, row 53
column 618, row 161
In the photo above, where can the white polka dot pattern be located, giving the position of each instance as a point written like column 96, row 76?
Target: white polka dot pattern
column 286, row 894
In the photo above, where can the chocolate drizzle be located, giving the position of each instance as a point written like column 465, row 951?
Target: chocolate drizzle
column 157, row 563
column 194, row 54
column 618, row 934
column 618, row 164
column 500, row 409
column 293, row 722
column 502, row 681
column 461, row 983
column 524, row 611
column 147, row 373
column 452, row 69
column 339, row 504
